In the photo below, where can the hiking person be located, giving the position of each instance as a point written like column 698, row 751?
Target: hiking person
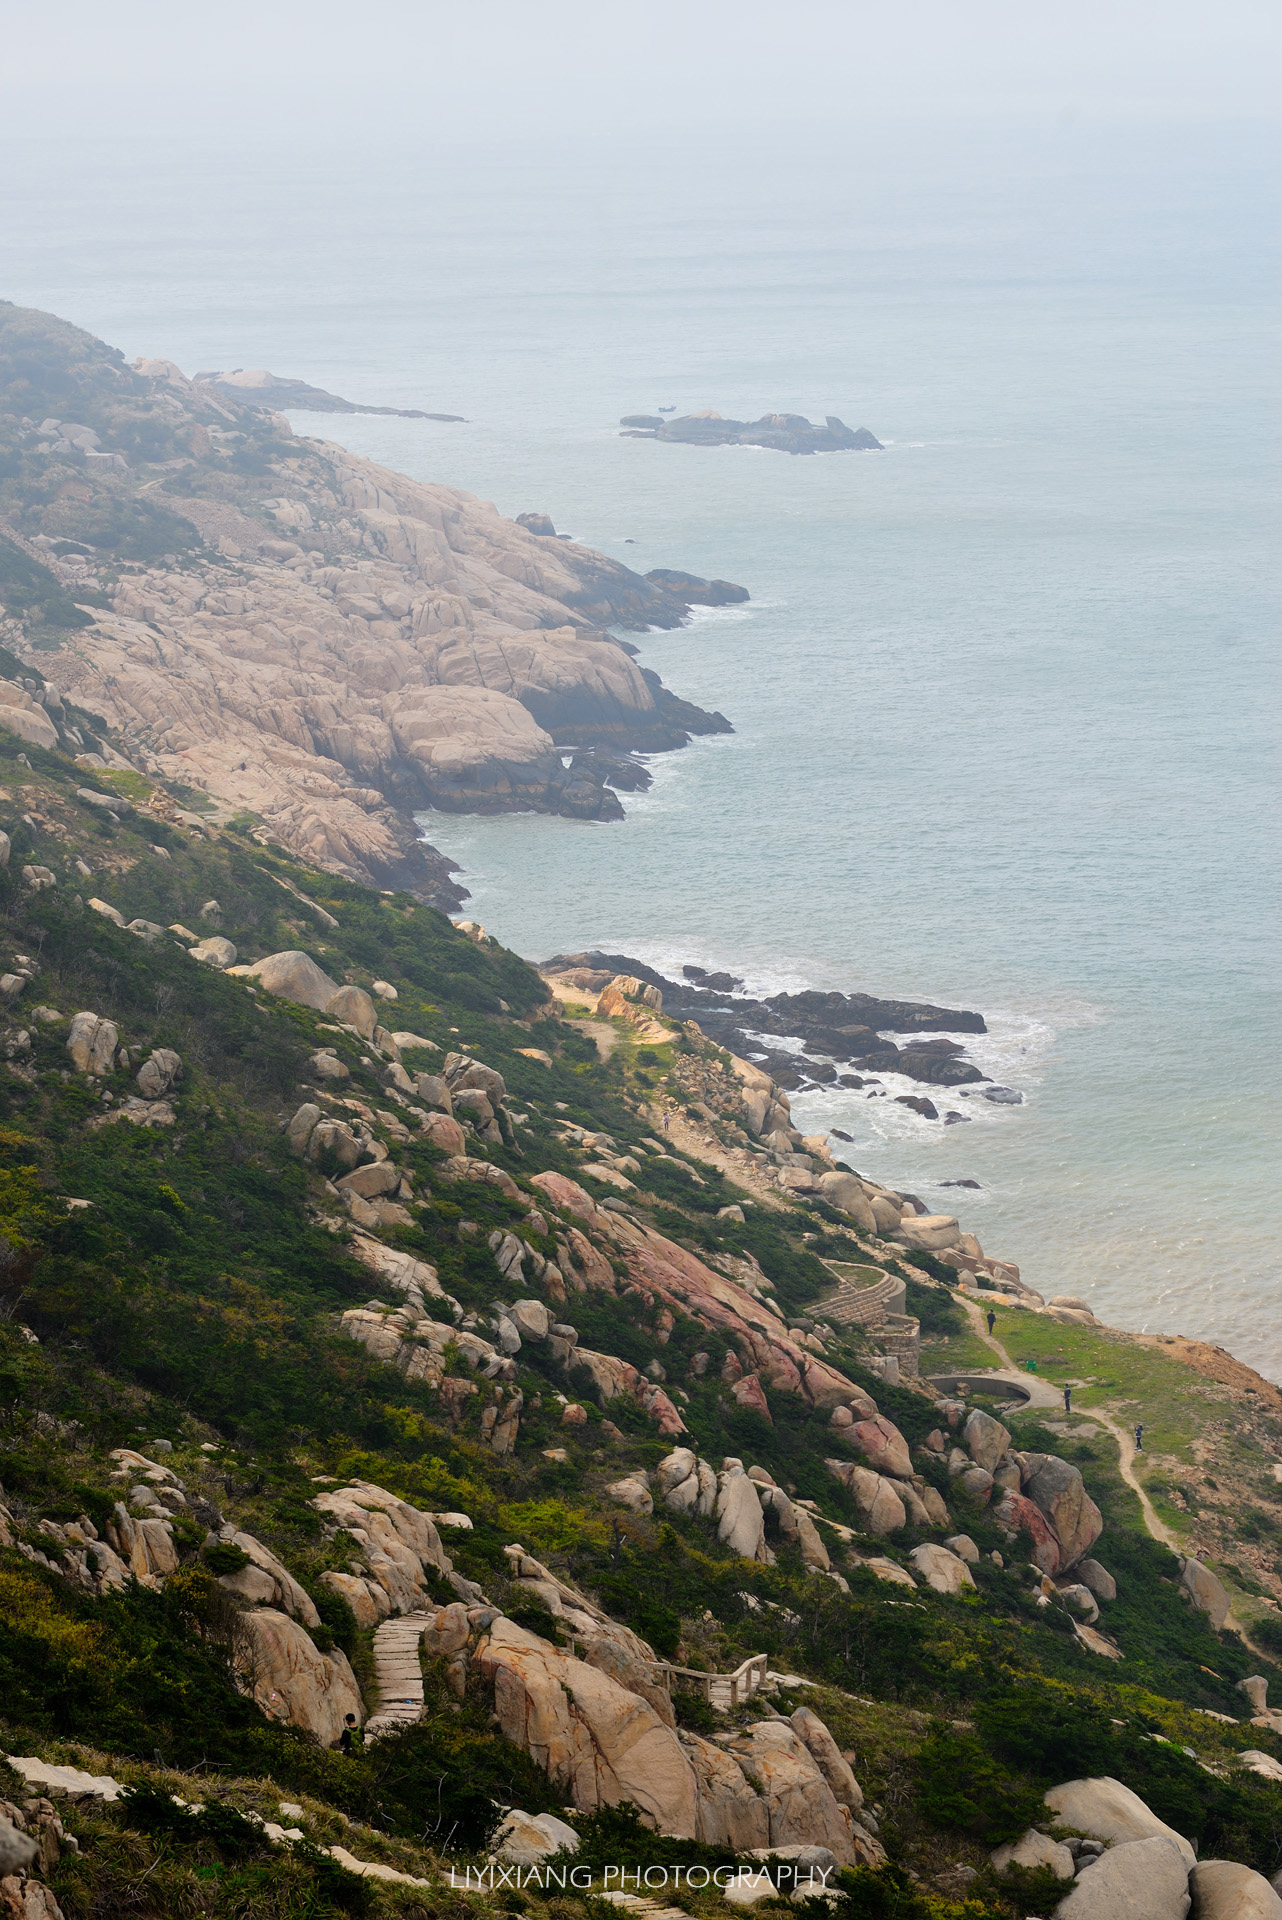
column 351, row 1740
column 1139, row 1438
column 992, row 1319
column 1068, row 1399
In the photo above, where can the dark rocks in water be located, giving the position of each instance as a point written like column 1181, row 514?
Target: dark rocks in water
column 682, row 715
column 586, row 800
column 899, row 1016
column 845, row 1028
column 590, row 714
column 919, row 1104
column 785, row 432
column 972, row 1184
column 837, row 1134
column 954, row 1119
column 820, row 1071
column 700, row 593
column 255, row 387
column 621, row 770
column 1002, row 1096
column 713, row 982
column 538, row 523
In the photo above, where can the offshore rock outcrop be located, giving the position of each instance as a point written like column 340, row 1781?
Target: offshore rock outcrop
column 784, row 432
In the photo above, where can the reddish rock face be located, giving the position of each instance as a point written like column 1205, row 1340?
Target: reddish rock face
column 883, row 1447
column 749, row 1394
column 1059, row 1491
column 669, row 1273
column 1015, row 1512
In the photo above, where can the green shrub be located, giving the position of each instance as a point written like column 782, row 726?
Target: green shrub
column 961, row 1786
column 693, row 1711
column 223, row 1556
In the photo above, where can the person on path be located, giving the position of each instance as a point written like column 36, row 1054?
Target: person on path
column 992, row 1320
column 1139, row 1438
column 1068, row 1399
column 351, row 1740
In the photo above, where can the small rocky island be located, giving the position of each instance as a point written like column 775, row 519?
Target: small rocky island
column 785, row 432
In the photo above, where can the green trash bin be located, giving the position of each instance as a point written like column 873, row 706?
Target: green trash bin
column 1030, row 1366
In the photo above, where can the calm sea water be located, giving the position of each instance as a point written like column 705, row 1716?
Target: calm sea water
column 1004, row 694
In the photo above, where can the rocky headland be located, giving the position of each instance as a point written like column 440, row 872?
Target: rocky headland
column 286, row 631
column 783, row 432
column 256, row 387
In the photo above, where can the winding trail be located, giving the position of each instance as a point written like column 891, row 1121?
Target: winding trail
column 1125, row 1440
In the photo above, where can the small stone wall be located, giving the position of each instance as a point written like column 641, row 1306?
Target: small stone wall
column 869, row 1307
column 901, row 1335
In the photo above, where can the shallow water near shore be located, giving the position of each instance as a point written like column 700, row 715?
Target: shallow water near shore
column 1001, row 695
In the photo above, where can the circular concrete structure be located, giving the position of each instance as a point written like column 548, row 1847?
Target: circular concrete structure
column 998, row 1385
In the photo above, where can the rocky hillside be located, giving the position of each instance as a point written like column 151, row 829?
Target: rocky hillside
column 279, row 628
column 390, row 1331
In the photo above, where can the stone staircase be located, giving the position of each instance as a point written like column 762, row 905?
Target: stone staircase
column 399, row 1674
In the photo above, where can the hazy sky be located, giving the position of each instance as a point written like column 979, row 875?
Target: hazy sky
column 490, row 71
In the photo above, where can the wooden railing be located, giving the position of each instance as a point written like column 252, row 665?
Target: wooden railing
column 742, row 1683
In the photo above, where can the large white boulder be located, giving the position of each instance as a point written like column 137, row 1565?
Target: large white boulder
column 596, row 1739
column 22, row 715
column 1033, row 1850
column 530, row 1838
column 92, row 1043
column 879, row 1501
column 730, row 1813
column 1223, row 1890
column 1104, row 1809
column 1139, row 1880
column 398, row 1545
column 802, row 1809
column 1057, row 1488
column 741, row 1524
column 932, row 1232
column 846, row 1193
column 158, row 1073
column 826, row 1755
column 352, row 1007
column 633, row 1492
column 985, row 1439
column 265, row 1582
column 292, row 1680
column 294, row 976
column 1205, row 1591
column 945, row 1572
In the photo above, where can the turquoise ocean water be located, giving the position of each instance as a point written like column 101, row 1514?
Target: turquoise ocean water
column 1005, row 696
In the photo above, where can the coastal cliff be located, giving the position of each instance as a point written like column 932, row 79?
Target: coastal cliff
column 299, row 634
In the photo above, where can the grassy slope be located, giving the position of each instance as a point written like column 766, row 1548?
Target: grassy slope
column 194, row 1300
